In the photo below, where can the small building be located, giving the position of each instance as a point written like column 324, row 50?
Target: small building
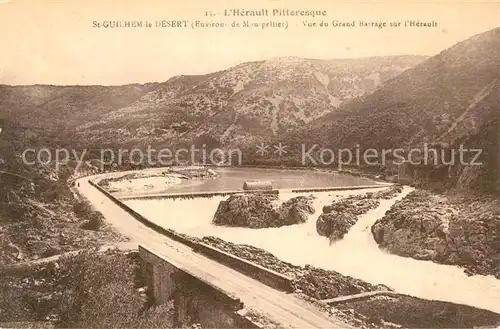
column 257, row 185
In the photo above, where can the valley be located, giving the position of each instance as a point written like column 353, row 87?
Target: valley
column 355, row 241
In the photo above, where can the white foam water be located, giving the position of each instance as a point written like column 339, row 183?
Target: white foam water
column 356, row 255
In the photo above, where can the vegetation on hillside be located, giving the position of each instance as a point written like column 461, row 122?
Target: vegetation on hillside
column 449, row 100
column 40, row 215
column 87, row 290
column 261, row 98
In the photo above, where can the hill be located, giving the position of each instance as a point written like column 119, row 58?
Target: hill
column 450, row 99
column 263, row 98
column 40, row 215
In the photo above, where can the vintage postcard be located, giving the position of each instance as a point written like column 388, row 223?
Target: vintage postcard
column 249, row 164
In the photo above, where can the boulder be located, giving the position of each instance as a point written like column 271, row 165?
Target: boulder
column 339, row 216
column 431, row 227
column 248, row 210
column 335, row 225
column 361, row 204
column 258, row 210
column 296, row 210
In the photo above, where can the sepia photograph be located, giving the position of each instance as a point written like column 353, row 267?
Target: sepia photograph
column 262, row 164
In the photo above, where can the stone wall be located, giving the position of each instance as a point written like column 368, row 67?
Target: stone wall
column 195, row 301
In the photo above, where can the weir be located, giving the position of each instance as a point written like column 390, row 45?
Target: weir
column 166, row 195
column 211, row 287
column 217, row 289
column 189, row 195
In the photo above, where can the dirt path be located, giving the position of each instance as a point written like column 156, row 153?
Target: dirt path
column 124, row 246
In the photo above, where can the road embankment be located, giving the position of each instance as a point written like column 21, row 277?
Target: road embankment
column 266, row 276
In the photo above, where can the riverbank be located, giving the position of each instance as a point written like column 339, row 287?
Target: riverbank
column 356, row 254
column 315, row 284
column 153, row 180
column 455, row 230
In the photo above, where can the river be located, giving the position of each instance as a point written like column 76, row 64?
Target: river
column 230, row 179
column 356, row 255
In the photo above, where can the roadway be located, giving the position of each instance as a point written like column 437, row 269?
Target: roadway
column 286, row 309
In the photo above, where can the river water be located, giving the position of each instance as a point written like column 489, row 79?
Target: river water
column 356, row 255
column 230, row 179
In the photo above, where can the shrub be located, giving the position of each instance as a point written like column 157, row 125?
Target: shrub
column 99, row 293
column 94, row 219
column 94, row 224
column 15, row 304
column 82, row 208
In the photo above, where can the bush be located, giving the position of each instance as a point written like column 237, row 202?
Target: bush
column 50, row 191
column 94, row 224
column 84, row 210
column 15, row 304
column 99, row 293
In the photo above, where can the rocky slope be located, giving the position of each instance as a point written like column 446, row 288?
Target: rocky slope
column 444, row 229
column 64, row 107
column 450, row 99
column 401, row 311
column 39, row 214
column 262, row 210
column 443, row 99
column 312, row 281
column 90, row 289
column 261, row 98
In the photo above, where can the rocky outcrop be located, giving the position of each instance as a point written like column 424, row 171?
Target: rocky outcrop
column 296, row 210
column 386, row 194
column 323, row 284
column 256, row 210
column 356, row 205
column 248, row 210
column 445, row 230
column 339, row 216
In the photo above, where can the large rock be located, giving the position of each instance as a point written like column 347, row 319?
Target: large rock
column 323, row 284
column 361, row 204
column 256, row 210
column 431, row 227
column 339, row 216
column 296, row 210
column 335, row 225
column 356, row 205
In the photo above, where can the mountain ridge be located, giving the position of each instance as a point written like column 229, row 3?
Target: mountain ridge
column 450, row 99
column 251, row 98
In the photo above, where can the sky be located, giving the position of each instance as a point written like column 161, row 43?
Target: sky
column 55, row 42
